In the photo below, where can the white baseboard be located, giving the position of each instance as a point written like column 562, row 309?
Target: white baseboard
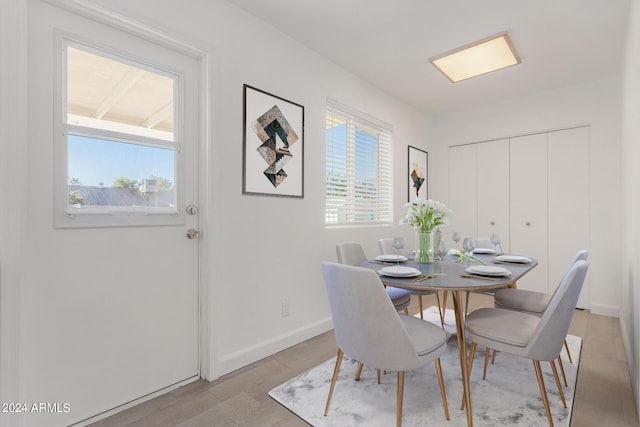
column 633, row 367
column 135, row 402
column 244, row 357
column 605, row 310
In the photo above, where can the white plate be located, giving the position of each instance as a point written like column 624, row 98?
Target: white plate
column 399, row 271
column 483, row 251
column 513, row 258
column 391, row 258
column 488, row 270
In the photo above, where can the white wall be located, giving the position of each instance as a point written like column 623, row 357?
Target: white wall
column 595, row 104
column 630, row 271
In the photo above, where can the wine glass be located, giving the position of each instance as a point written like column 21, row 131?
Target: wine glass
column 468, row 246
column 441, row 250
column 398, row 244
column 495, row 239
column 456, row 238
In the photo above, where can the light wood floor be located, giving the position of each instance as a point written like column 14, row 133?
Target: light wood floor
column 603, row 398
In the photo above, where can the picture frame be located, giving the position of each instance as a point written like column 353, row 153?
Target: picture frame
column 273, row 145
column 418, row 172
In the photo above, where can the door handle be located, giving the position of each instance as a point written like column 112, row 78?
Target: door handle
column 192, row 233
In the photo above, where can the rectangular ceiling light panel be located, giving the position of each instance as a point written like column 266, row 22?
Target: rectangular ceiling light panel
column 491, row 54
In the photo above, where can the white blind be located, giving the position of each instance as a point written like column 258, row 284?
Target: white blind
column 358, row 167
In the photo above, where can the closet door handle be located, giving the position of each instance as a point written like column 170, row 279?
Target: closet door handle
column 528, row 223
column 492, row 223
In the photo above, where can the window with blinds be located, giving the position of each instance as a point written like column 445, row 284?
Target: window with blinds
column 358, row 168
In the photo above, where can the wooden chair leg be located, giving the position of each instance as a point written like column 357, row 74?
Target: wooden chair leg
column 486, row 362
column 333, row 380
column 359, row 371
column 555, row 376
column 443, row 393
column 543, row 391
column 420, row 305
column 406, row 311
column 399, row 400
column 566, row 347
column 564, row 377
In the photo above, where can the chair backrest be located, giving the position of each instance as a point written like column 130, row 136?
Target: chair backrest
column 483, row 242
column 581, row 255
column 549, row 336
column 367, row 326
column 386, row 246
column 350, row 253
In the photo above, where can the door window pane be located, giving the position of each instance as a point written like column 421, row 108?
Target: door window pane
column 104, row 93
column 104, row 173
column 120, row 127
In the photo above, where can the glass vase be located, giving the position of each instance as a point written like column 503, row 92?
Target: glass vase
column 424, row 254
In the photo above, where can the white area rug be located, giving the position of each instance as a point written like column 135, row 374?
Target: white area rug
column 509, row 396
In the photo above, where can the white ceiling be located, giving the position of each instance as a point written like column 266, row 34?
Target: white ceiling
column 389, row 42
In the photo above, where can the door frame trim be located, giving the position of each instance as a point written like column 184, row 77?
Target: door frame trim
column 203, row 56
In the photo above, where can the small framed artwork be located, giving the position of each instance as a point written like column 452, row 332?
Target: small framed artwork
column 273, row 145
column 418, row 166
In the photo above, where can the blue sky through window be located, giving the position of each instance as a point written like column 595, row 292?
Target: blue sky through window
column 93, row 161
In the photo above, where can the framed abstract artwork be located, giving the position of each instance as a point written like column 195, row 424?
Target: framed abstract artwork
column 418, row 166
column 273, row 145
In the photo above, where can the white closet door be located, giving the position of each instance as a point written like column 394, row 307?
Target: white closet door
column 493, row 190
column 568, row 198
column 528, row 206
column 462, row 192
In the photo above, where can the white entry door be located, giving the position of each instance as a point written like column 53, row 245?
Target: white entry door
column 109, row 304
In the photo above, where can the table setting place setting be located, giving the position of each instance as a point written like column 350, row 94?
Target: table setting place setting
column 393, row 268
column 484, row 271
column 403, row 272
column 389, row 259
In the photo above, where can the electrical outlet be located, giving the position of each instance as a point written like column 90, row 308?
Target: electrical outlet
column 285, row 308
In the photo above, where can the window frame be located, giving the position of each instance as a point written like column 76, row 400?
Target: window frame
column 111, row 216
column 383, row 210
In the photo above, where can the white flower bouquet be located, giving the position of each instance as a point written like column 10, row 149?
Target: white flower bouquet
column 425, row 215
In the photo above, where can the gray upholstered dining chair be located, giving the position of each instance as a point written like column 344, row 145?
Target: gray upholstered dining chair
column 351, row 253
column 529, row 336
column 385, row 246
column 368, row 329
column 534, row 302
column 483, row 243
column 480, row 243
column 529, row 301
